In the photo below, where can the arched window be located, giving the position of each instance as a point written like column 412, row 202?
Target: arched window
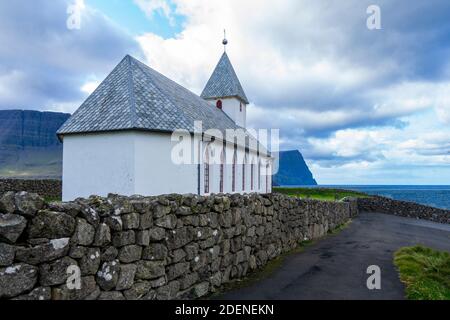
column 243, row 172
column 222, row 161
column 206, row 169
column 240, row 106
column 233, row 172
column 259, row 174
column 252, row 175
column 219, row 104
column 267, row 178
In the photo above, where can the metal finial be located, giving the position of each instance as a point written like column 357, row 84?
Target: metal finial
column 225, row 41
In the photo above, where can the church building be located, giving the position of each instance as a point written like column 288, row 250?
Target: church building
column 121, row 139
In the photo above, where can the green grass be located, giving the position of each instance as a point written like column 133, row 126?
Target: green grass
column 425, row 272
column 52, row 199
column 264, row 272
column 340, row 228
column 323, row 194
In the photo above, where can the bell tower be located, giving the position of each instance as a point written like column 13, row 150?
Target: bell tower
column 225, row 92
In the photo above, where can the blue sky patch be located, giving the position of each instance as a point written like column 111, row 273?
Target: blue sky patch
column 130, row 17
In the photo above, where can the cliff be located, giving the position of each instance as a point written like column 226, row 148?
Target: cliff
column 293, row 170
column 29, row 148
column 28, row 144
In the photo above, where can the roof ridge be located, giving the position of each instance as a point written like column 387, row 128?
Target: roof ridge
column 134, row 96
column 140, row 65
column 143, row 65
column 230, row 65
column 131, row 92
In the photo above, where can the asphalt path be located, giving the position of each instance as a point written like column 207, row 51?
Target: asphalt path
column 336, row 267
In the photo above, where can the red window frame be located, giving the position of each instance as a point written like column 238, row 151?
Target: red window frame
column 233, row 173
column 206, row 171
column 259, row 174
column 221, row 172
column 252, row 175
column 243, row 176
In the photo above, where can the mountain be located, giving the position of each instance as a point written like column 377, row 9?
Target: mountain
column 29, row 147
column 293, row 170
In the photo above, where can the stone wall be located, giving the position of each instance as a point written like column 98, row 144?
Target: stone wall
column 403, row 209
column 45, row 187
column 164, row 247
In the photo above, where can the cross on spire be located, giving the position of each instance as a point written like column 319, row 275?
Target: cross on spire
column 225, row 41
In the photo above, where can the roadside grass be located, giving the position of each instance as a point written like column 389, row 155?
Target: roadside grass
column 323, row 194
column 52, row 199
column 259, row 274
column 340, row 228
column 425, row 272
column 271, row 266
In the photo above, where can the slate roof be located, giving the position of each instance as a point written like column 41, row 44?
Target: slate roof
column 224, row 82
column 134, row 96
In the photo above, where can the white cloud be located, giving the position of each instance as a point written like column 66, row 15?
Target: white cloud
column 90, row 86
column 347, row 97
column 43, row 64
column 350, row 100
column 150, row 7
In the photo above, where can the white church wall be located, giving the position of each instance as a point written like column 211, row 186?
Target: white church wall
column 125, row 163
column 129, row 163
column 231, row 106
column 156, row 173
column 98, row 164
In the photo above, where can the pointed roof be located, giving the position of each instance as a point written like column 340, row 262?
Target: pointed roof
column 134, row 96
column 224, row 82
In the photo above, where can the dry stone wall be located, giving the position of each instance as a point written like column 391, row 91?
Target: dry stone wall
column 403, row 209
column 166, row 247
column 44, row 187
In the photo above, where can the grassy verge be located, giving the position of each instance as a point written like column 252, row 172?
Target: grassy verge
column 271, row 266
column 324, row 194
column 425, row 272
column 52, row 199
column 340, row 228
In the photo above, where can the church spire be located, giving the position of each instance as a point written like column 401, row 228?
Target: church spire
column 224, row 82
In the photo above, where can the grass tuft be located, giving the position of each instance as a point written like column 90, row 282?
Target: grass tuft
column 52, row 199
column 261, row 273
column 425, row 272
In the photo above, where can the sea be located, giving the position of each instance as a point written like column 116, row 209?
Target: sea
column 435, row 196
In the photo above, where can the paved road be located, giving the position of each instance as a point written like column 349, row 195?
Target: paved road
column 335, row 267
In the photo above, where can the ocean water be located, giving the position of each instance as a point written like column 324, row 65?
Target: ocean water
column 435, row 196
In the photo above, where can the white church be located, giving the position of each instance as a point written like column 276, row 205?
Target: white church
column 121, row 139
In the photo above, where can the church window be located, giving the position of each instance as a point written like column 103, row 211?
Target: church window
column 252, row 175
column 207, row 170
column 222, row 160
column 233, row 173
column 259, row 174
column 243, row 173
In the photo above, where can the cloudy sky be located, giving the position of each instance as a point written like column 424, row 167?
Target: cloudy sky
column 363, row 106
